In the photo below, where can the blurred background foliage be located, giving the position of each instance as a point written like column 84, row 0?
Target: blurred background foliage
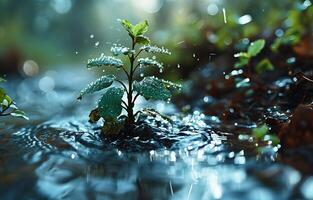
column 37, row 35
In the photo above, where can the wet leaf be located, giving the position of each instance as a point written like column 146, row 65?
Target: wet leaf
column 149, row 62
column 256, row 47
column 19, row 113
column 127, row 26
column 99, row 84
column 142, row 40
column 152, row 88
column 105, row 61
column 155, row 49
column 120, row 50
column 110, row 104
column 140, row 28
column 264, row 65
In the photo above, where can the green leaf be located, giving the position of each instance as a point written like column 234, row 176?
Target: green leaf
column 127, row 26
column 152, row 88
column 140, row 28
column 149, row 62
column 99, row 84
column 155, row 49
column 242, row 55
column 243, row 61
column 260, row 131
column 142, row 40
column 264, row 65
column 256, row 47
column 104, row 61
column 110, row 104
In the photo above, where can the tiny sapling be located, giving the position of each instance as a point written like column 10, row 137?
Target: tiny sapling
column 7, row 105
column 111, row 103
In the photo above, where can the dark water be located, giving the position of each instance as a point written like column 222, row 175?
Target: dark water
column 57, row 154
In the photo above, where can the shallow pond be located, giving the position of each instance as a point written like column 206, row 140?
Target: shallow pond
column 57, row 154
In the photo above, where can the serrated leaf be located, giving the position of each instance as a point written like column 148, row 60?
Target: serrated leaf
column 120, row 50
column 127, row 26
column 264, row 65
column 149, row 62
column 256, row 47
column 152, row 88
column 104, row 61
column 110, row 104
column 99, row 84
column 142, row 40
column 155, row 49
column 140, row 28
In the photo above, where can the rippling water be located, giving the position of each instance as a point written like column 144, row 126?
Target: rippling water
column 59, row 155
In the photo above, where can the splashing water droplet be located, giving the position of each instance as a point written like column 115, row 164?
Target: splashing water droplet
column 194, row 55
column 178, row 66
column 97, row 43
column 224, row 14
column 161, row 70
column 76, row 52
column 141, row 74
column 91, row 36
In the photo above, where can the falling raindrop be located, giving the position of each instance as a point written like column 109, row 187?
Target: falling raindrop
column 161, row 70
column 97, row 43
column 76, row 52
column 178, row 66
column 224, row 14
column 91, row 36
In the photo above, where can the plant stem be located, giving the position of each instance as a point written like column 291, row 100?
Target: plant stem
column 130, row 105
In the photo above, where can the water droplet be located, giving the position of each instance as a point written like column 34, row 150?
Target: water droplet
column 161, row 70
column 76, row 52
column 91, row 36
column 153, row 57
column 245, row 19
column 97, row 43
column 224, row 14
column 194, row 55
column 178, row 66
column 141, row 74
column 212, row 9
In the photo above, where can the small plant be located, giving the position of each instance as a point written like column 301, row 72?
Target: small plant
column 253, row 50
column 245, row 59
column 111, row 104
column 7, row 105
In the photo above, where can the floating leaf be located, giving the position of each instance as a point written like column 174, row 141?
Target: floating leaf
column 119, row 50
column 110, row 103
column 264, row 65
column 99, row 84
column 149, row 62
column 140, row 28
column 142, row 40
column 105, row 61
column 155, row 49
column 152, row 88
column 256, row 47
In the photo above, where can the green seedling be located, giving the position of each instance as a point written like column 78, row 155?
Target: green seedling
column 8, row 106
column 111, row 103
column 253, row 50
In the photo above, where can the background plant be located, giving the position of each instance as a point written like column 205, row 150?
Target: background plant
column 7, row 105
column 111, row 104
